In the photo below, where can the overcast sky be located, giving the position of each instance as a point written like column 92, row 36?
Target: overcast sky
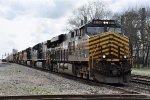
column 24, row 23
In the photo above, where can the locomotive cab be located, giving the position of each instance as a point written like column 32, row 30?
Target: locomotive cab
column 97, row 27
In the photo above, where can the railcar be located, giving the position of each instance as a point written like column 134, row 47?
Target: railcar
column 37, row 55
column 98, row 50
column 29, row 56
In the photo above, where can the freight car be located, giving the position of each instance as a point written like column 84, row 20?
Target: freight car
column 98, row 50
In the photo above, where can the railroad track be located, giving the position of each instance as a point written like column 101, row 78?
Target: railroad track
column 139, row 76
column 131, row 88
column 145, row 80
column 79, row 97
column 122, row 89
column 140, row 83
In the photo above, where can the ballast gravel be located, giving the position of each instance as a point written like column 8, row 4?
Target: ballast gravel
column 21, row 80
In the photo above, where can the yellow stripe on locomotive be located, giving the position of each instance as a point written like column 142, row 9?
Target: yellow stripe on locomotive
column 109, row 43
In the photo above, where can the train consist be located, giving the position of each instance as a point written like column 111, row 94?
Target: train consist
column 98, row 50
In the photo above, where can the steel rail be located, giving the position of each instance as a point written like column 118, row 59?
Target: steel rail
column 79, row 97
column 145, row 80
column 140, row 76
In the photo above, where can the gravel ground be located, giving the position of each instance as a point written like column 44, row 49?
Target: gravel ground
column 20, row 80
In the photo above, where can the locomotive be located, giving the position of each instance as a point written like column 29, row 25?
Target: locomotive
column 97, row 50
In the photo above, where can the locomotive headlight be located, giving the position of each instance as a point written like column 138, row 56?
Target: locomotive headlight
column 105, row 22
column 104, row 56
column 125, row 57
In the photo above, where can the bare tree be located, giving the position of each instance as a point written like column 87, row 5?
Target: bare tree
column 92, row 10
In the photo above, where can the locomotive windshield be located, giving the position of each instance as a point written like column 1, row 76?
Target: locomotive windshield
column 92, row 30
column 114, row 29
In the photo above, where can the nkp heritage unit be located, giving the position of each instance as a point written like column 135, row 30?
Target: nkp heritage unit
column 97, row 50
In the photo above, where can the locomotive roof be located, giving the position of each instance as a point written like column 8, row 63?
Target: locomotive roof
column 36, row 46
column 96, row 22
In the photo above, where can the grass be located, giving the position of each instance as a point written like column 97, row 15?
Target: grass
column 142, row 69
column 145, row 71
column 142, row 74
